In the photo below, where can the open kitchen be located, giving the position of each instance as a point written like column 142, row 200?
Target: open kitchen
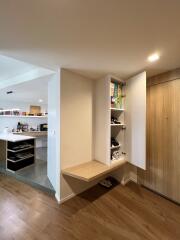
column 24, row 131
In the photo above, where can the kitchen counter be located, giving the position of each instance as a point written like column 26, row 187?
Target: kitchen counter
column 14, row 137
column 18, row 151
column 32, row 133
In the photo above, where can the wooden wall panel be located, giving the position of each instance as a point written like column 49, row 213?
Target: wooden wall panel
column 163, row 140
column 164, row 77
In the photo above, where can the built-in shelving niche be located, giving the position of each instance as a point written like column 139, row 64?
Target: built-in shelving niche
column 117, row 109
column 130, row 132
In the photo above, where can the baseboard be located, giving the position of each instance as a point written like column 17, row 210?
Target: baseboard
column 123, row 182
column 126, row 180
column 66, row 198
column 162, row 195
column 132, row 179
column 75, row 194
column 57, row 198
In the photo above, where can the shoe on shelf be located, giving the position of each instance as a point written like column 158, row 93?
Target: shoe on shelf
column 115, row 155
column 114, row 143
column 115, row 121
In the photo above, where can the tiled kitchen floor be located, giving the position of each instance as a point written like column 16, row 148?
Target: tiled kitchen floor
column 35, row 174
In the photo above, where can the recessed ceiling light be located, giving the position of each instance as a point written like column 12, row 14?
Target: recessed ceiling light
column 154, row 57
column 40, row 100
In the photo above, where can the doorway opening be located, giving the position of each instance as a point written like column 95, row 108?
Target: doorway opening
column 28, row 125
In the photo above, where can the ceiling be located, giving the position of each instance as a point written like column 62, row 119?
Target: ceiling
column 92, row 37
column 29, row 92
column 13, row 72
column 10, row 68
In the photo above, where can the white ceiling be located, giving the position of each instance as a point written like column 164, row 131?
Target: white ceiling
column 28, row 92
column 10, row 68
column 92, row 37
column 13, row 72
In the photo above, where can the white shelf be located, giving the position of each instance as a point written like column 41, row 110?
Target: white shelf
column 20, row 159
column 117, row 109
column 113, row 125
column 117, row 161
column 20, row 150
column 116, row 146
column 20, row 116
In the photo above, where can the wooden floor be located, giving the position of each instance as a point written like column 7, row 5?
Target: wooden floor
column 125, row 213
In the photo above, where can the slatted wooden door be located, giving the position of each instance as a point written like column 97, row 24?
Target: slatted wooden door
column 163, row 140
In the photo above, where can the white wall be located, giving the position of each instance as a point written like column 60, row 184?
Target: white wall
column 76, row 127
column 12, row 122
column 54, row 132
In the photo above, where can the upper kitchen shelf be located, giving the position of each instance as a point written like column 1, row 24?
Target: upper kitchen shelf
column 20, row 116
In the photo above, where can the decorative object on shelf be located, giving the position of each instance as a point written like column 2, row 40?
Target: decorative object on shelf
column 22, row 127
column 116, row 95
column 112, row 94
column 35, row 110
column 119, row 97
column 9, row 112
column 15, row 112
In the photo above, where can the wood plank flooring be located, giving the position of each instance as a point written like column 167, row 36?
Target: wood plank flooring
column 127, row 213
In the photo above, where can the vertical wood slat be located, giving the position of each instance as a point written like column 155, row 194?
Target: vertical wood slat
column 2, row 150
